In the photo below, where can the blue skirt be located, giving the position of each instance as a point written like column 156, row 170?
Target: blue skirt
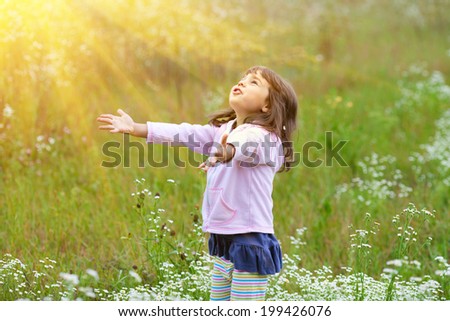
column 250, row 252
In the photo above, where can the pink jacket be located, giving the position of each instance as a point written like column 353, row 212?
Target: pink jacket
column 238, row 194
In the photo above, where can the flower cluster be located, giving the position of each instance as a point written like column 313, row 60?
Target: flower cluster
column 406, row 231
column 300, row 284
column 444, row 270
column 5, row 118
column 193, row 284
column 8, row 111
column 188, row 276
column 159, row 237
column 379, row 181
column 436, row 153
column 297, row 240
column 415, row 93
column 43, row 144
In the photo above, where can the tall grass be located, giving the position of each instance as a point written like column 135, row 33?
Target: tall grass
column 182, row 271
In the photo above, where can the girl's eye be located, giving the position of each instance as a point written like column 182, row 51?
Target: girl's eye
column 254, row 82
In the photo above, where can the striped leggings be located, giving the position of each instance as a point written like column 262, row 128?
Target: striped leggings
column 231, row 284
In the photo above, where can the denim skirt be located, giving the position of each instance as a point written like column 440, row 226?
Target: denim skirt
column 250, row 252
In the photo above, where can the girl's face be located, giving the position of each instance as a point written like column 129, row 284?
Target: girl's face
column 250, row 95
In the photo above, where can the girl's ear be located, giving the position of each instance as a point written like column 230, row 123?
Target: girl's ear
column 265, row 108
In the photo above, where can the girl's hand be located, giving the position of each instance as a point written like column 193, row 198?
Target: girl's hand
column 117, row 124
column 223, row 155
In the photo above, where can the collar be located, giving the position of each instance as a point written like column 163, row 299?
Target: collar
column 232, row 125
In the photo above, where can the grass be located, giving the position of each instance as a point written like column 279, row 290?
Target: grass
column 370, row 75
column 178, row 269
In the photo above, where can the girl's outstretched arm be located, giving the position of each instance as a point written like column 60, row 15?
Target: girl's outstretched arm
column 199, row 138
column 122, row 124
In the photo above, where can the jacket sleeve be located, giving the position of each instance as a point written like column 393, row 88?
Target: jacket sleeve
column 198, row 138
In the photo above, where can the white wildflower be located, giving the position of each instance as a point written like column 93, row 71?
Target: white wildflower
column 70, row 278
column 416, row 263
column 87, row 291
column 397, row 263
column 443, row 272
column 8, row 111
column 390, row 271
column 93, row 273
column 135, row 276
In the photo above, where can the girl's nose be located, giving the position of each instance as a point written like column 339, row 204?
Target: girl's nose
column 240, row 83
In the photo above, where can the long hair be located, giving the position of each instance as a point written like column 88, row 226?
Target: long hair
column 281, row 118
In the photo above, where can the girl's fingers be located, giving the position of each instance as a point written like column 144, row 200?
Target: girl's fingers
column 224, row 140
column 211, row 162
column 107, row 116
column 106, row 127
column 104, row 120
column 203, row 167
column 112, row 119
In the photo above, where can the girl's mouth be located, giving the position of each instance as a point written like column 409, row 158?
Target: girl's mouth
column 237, row 90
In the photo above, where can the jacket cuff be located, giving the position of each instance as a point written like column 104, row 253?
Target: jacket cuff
column 149, row 132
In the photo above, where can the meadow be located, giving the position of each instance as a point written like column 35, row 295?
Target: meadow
column 373, row 73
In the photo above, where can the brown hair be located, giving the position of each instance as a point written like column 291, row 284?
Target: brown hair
column 281, row 118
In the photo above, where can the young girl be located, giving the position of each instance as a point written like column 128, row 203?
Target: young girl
column 247, row 145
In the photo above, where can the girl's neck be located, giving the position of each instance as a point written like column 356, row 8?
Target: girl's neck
column 239, row 120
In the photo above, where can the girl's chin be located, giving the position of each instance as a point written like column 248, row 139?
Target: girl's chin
column 232, row 106
column 235, row 104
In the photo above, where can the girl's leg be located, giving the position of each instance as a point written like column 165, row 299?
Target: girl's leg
column 248, row 286
column 221, row 280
